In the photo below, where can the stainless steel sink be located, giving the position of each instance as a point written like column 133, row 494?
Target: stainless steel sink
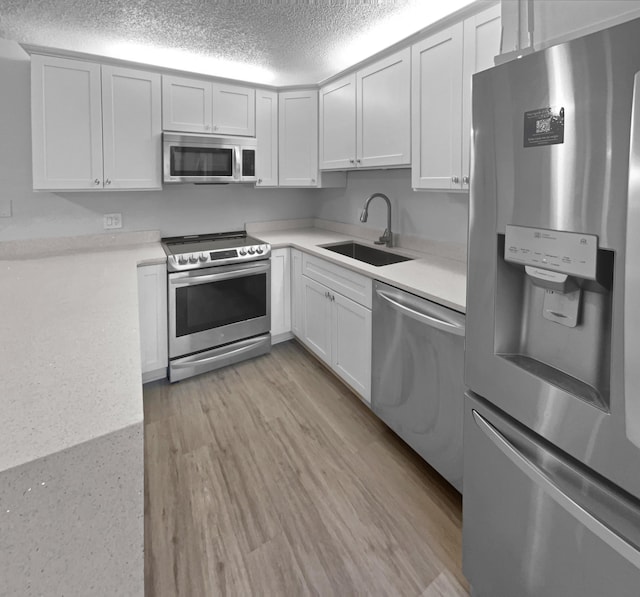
column 365, row 253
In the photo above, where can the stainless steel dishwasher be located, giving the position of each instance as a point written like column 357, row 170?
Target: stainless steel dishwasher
column 417, row 379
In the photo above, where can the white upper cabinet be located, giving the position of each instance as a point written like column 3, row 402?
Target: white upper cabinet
column 187, row 105
column 266, row 138
column 298, row 138
column 94, row 127
column 66, row 123
column 365, row 117
column 200, row 106
column 442, row 67
column 437, row 110
column 384, row 112
column 482, row 44
column 338, row 124
column 131, row 135
column 234, row 110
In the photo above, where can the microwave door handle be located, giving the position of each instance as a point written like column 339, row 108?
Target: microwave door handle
column 237, row 163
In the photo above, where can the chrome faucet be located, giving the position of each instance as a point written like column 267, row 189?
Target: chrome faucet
column 387, row 237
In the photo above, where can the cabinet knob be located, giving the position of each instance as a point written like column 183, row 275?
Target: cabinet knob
column 207, row 127
column 259, row 180
column 107, row 181
column 455, row 179
column 358, row 161
column 215, row 128
column 313, row 181
column 96, row 182
column 465, row 179
column 352, row 161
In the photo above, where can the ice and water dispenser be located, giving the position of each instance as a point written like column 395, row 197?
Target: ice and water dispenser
column 553, row 309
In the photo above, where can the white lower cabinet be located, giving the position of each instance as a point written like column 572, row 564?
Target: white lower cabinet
column 351, row 343
column 316, row 318
column 335, row 328
column 152, row 308
column 280, row 296
column 296, row 292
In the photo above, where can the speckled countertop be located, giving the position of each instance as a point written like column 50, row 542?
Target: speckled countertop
column 433, row 277
column 70, row 350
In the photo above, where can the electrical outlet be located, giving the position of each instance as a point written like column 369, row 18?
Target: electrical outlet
column 5, row 208
column 112, row 221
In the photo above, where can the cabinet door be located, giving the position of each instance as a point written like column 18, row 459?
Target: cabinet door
column 296, row 293
column 384, row 112
column 266, row 138
column 152, row 308
column 351, row 343
column 280, row 295
column 234, row 110
column 186, row 105
column 298, row 138
column 481, row 45
column 316, row 318
column 66, row 124
column 436, row 110
column 132, row 128
column 338, row 124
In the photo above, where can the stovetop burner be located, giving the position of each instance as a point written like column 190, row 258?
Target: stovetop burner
column 207, row 250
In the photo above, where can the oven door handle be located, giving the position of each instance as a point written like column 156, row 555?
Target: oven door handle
column 189, row 279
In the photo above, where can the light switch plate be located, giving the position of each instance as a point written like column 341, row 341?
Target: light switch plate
column 112, row 221
column 5, row 208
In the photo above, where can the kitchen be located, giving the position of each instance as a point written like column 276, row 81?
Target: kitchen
column 437, row 218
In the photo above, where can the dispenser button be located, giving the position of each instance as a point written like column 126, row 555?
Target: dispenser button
column 251, row 251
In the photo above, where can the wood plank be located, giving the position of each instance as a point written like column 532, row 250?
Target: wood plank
column 269, row 477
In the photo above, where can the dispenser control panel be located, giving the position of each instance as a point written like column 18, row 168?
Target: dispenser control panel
column 571, row 253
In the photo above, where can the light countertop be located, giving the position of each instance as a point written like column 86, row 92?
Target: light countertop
column 70, row 350
column 435, row 278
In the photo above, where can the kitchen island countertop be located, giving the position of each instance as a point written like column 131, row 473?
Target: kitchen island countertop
column 71, row 437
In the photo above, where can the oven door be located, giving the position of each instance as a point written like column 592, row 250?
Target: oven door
column 218, row 305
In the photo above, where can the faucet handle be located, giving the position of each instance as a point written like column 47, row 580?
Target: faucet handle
column 385, row 239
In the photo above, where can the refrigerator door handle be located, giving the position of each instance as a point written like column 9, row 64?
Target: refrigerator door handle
column 632, row 279
column 542, row 480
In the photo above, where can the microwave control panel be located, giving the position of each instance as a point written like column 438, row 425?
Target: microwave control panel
column 571, row 253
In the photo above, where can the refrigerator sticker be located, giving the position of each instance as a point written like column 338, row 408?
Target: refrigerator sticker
column 544, row 127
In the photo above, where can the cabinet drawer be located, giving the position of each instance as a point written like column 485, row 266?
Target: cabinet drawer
column 348, row 283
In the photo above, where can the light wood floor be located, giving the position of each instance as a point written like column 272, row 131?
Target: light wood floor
column 271, row 478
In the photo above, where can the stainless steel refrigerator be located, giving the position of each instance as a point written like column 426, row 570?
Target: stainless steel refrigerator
column 551, row 489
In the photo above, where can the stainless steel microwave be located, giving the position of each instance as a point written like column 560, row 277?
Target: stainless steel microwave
column 208, row 159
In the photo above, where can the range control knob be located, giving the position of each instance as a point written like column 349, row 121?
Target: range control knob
column 193, row 259
column 203, row 257
column 251, row 251
column 182, row 260
column 242, row 252
column 259, row 250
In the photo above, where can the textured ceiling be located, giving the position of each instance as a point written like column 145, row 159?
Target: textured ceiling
column 279, row 42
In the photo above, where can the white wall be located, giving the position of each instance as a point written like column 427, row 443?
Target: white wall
column 181, row 209
column 560, row 20
column 437, row 216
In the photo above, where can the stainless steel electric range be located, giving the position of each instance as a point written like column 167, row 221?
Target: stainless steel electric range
column 219, row 289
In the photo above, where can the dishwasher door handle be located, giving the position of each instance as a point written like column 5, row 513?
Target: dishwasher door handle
column 430, row 319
